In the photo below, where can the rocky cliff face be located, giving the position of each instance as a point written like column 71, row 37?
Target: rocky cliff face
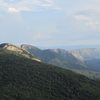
column 18, row 50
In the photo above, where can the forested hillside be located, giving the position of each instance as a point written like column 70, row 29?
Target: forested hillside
column 25, row 79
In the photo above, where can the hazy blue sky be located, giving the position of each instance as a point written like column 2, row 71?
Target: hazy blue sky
column 50, row 23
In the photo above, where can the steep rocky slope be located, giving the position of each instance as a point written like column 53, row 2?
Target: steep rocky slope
column 18, row 50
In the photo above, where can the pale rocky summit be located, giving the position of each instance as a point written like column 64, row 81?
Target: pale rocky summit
column 18, row 50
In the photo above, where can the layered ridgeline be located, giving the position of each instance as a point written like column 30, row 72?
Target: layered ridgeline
column 58, row 57
column 22, row 78
column 85, row 61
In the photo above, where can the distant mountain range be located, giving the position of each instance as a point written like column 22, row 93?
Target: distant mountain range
column 58, row 57
column 25, row 78
column 90, row 57
column 80, row 59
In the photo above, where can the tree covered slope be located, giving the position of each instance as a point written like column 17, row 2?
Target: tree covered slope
column 25, row 79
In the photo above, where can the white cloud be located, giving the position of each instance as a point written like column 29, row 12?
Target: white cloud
column 39, row 37
column 13, row 10
column 24, row 5
column 85, row 42
column 93, row 26
column 45, row 5
column 81, row 17
column 25, row 9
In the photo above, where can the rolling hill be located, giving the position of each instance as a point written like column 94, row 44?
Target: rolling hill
column 22, row 78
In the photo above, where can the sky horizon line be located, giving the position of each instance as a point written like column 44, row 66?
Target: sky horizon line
column 58, row 47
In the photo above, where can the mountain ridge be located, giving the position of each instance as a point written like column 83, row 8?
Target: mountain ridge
column 26, row 79
column 18, row 50
column 83, row 57
column 71, row 59
column 55, row 56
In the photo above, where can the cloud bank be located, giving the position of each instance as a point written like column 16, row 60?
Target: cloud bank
column 17, row 6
